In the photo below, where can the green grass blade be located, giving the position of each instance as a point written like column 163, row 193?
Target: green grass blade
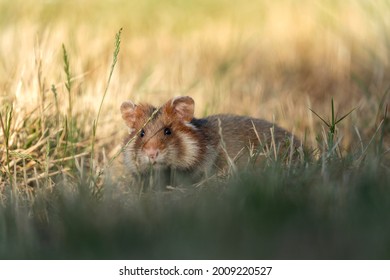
column 333, row 122
column 96, row 121
column 114, row 61
column 346, row 115
column 324, row 121
column 68, row 82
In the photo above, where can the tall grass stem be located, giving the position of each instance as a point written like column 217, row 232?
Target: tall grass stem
column 96, row 121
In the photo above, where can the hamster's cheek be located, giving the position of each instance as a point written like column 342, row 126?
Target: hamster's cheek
column 143, row 160
column 172, row 157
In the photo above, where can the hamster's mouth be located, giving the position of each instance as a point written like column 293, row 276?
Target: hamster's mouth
column 157, row 165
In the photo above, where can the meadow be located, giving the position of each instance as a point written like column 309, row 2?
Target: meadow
column 318, row 68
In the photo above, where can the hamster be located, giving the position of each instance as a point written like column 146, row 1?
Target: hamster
column 170, row 137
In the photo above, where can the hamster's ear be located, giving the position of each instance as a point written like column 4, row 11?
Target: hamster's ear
column 182, row 106
column 128, row 113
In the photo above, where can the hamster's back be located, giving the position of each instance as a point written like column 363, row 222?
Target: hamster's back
column 241, row 135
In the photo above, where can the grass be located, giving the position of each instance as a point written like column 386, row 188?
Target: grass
column 63, row 190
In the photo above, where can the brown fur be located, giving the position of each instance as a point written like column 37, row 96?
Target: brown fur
column 174, row 139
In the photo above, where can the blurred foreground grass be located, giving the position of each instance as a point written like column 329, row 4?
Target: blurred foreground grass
column 271, row 60
column 272, row 215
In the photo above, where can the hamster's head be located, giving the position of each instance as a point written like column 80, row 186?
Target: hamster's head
column 161, row 137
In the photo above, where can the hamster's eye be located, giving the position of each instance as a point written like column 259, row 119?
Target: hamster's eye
column 142, row 133
column 167, row 131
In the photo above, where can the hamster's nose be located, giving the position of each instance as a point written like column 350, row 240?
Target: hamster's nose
column 152, row 154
